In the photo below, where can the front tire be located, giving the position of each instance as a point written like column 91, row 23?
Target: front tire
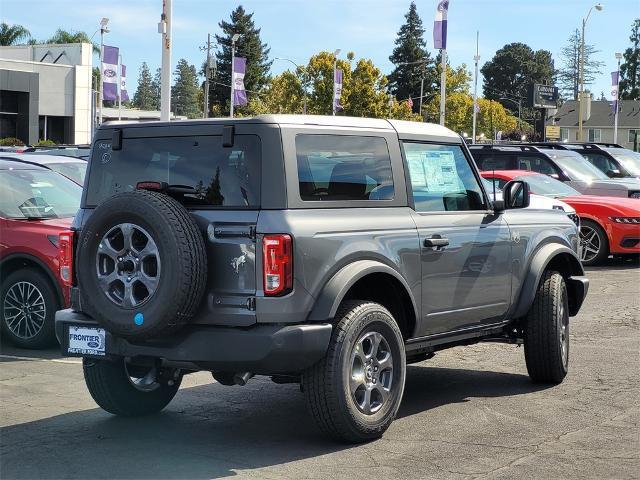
column 546, row 340
column 125, row 390
column 354, row 392
column 28, row 303
column 594, row 243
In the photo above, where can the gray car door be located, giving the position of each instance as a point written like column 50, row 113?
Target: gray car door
column 465, row 247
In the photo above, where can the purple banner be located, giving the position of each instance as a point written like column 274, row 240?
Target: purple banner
column 615, row 78
column 124, row 96
column 440, row 25
column 337, row 89
column 239, row 93
column 109, row 73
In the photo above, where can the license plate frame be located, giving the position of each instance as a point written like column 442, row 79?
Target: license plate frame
column 84, row 340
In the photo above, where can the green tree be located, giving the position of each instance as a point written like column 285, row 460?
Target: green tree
column 145, row 96
column 630, row 69
column 412, row 60
column 156, row 88
column 64, row 36
column 569, row 74
column 184, row 93
column 513, row 69
column 320, row 74
column 13, row 34
column 250, row 46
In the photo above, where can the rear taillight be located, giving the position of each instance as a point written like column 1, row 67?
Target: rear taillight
column 277, row 259
column 65, row 256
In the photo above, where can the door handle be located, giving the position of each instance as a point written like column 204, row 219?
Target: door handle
column 437, row 242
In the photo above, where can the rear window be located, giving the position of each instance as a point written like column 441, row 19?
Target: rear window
column 218, row 176
column 343, row 167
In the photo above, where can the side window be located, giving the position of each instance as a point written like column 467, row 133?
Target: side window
column 601, row 162
column 343, row 167
column 441, row 178
column 495, row 162
column 536, row 163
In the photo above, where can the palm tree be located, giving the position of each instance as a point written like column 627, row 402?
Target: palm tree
column 63, row 36
column 12, row 34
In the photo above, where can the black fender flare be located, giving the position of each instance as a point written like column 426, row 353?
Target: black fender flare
column 41, row 265
column 577, row 283
column 339, row 284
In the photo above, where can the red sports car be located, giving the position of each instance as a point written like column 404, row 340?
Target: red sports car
column 609, row 225
column 36, row 205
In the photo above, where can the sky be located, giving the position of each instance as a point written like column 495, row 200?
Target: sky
column 297, row 29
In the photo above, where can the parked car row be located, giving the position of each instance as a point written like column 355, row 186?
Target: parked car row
column 40, row 192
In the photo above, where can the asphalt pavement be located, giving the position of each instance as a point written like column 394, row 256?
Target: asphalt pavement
column 470, row 412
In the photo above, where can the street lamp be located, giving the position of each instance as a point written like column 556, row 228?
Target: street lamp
column 616, row 100
column 234, row 39
column 103, row 29
column 305, row 79
column 335, row 67
column 598, row 7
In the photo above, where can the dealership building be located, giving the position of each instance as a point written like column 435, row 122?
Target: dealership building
column 598, row 122
column 45, row 92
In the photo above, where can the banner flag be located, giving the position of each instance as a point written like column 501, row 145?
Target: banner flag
column 109, row 73
column 239, row 93
column 440, row 26
column 615, row 76
column 124, row 96
column 337, row 89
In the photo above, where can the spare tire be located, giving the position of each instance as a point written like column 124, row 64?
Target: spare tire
column 141, row 265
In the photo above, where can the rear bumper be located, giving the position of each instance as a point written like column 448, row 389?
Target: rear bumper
column 263, row 349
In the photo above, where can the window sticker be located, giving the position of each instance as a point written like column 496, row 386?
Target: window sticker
column 433, row 170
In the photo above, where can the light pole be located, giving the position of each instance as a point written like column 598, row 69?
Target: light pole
column 599, row 8
column 305, row 79
column 476, row 59
column 164, row 27
column 616, row 101
column 234, row 39
column 103, row 30
column 207, row 73
column 335, row 67
column 519, row 104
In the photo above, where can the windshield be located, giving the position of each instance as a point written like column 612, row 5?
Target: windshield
column 37, row 194
column 576, row 166
column 547, row 186
column 74, row 171
column 629, row 159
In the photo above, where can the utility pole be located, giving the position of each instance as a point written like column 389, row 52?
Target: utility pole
column 616, row 101
column 599, row 8
column 335, row 67
column 476, row 59
column 164, row 27
column 207, row 74
column 443, row 85
column 103, row 30
column 234, row 39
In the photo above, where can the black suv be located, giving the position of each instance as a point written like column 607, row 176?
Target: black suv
column 557, row 161
column 328, row 251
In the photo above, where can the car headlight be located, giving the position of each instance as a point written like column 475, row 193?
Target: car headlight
column 626, row 219
column 634, row 195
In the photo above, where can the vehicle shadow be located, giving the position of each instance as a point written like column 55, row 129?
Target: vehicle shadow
column 212, row 431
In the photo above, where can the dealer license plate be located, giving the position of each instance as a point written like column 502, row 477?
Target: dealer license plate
column 86, row 340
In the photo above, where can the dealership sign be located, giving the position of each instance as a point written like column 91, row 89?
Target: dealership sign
column 544, row 96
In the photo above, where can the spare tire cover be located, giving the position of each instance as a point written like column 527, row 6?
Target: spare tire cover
column 141, row 265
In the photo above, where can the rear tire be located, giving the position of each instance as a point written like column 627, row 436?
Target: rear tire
column 33, row 327
column 593, row 237
column 546, row 339
column 111, row 387
column 354, row 392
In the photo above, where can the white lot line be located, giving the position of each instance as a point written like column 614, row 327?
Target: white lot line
column 35, row 359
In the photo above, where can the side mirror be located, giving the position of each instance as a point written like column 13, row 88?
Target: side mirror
column 516, row 194
column 614, row 173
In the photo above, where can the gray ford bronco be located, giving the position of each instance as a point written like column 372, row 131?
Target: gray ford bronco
column 325, row 251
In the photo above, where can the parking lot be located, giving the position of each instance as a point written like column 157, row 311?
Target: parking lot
column 470, row 412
